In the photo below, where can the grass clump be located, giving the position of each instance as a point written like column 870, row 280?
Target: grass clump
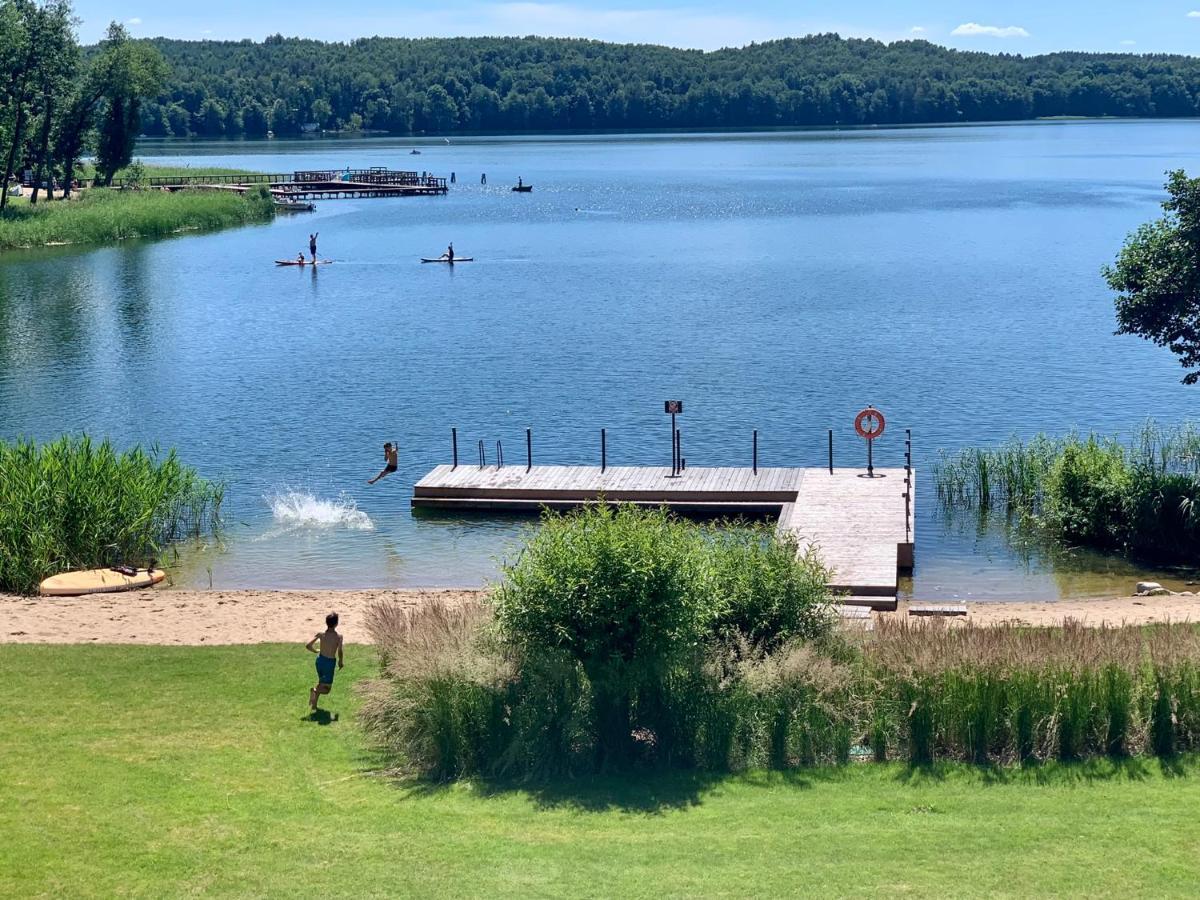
column 74, row 504
column 1140, row 498
column 102, row 215
column 621, row 638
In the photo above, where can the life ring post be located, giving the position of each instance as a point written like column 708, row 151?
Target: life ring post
column 870, row 424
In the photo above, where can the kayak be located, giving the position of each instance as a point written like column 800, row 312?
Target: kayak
column 456, row 259
column 296, row 262
column 98, row 581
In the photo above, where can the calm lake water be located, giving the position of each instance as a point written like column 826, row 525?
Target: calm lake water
column 949, row 276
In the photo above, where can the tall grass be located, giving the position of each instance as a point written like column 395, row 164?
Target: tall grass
column 1142, row 498
column 75, row 504
column 102, row 216
column 919, row 692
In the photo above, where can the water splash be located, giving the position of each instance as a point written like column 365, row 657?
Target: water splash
column 302, row 509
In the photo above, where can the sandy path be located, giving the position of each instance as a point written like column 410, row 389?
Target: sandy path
column 193, row 617
column 252, row 617
column 1089, row 611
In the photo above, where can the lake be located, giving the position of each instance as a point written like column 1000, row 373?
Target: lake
column 779, row 281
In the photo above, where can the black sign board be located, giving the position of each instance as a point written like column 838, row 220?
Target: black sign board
column 673, row 407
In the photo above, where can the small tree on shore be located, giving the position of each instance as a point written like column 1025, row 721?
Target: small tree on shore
column 1157, row 276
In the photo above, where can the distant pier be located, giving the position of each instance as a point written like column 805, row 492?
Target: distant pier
column 861, row 526
column 315, row 185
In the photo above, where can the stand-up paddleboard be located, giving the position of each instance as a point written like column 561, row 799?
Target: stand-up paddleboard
column 296, row 262
column 98, row 581
column 456, row 259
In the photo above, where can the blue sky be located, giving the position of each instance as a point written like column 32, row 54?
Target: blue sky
column 1017, row 26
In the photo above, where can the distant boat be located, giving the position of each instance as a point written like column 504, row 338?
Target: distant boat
column 443, row 259
column 522, row 188
column 294, row 206
column 414, row 152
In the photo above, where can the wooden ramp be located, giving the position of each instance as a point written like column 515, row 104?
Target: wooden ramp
column 856, row 523
column 857, row 526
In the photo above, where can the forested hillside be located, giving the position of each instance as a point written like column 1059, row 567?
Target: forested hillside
column 514, row 84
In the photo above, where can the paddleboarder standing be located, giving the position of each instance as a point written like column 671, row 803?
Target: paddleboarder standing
column 312, row 246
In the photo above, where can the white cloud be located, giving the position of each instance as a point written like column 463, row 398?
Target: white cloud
column 917, row 29
column 1128, row 43
column 974, row 29
column 1194, row 14
column 134, row 21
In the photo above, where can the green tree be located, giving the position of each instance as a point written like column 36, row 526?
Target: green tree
column 37, row 51
column 131, row 71
column 1157, row 276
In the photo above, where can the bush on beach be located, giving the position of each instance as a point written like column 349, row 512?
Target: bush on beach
column 74, row 504
column 616, row 640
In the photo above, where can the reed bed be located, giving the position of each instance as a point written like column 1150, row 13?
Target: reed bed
column 1140, row 497
column 76, row 504
column 102, row 215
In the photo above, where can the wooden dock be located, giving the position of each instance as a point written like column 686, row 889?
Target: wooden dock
column 316, row 185
column 861, row 527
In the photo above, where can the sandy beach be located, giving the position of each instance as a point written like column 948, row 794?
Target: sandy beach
column 187, row 617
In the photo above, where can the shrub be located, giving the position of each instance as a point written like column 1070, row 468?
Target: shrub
column 73, row 504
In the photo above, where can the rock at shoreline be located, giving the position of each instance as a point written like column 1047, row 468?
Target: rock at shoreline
column 1146, row 587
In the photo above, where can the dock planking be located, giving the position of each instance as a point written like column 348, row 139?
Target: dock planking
column 855, row 523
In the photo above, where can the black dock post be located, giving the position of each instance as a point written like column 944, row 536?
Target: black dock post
column 528, row 449
column 603, row 451
column 755, row 451
column 454, row 445
column 830, row 451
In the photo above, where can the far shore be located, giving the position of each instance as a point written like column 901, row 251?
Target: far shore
column 213, row 617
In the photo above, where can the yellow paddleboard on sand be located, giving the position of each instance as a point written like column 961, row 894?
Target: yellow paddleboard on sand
column 98, row 581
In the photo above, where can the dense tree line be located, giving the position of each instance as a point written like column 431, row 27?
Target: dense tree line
column 56, row 105
column 408, row 86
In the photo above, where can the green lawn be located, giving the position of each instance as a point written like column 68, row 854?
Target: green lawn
column 155, row 772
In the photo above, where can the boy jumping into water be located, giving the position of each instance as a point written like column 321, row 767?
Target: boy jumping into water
column 391, row 459
column 331, row 645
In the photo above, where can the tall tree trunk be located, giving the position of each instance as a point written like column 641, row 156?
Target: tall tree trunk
column 41, row 174
column 10, row 163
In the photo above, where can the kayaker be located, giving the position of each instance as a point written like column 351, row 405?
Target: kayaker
column 450, row 252
column 300, row 258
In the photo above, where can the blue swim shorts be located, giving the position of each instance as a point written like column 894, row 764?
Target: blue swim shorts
column 326, row 666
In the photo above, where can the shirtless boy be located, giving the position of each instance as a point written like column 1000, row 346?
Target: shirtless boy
column 391, row 460
column 330, row 647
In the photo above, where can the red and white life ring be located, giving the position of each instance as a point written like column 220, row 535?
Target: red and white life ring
column 870, row 423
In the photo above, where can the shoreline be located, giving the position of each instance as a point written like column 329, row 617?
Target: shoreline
column 175, row 617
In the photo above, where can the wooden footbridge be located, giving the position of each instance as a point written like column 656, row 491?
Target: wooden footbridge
column 861, row 525
column 315, row 185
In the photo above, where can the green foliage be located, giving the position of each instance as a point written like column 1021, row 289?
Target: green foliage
column 518, row 84
column 1157, row 276
column 608, row 587
column 72, row 504
column 127, row 71
column 1142, row 499
column 104, row 215
column 621, row 637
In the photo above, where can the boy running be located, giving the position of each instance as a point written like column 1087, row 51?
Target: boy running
column 331, row 646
